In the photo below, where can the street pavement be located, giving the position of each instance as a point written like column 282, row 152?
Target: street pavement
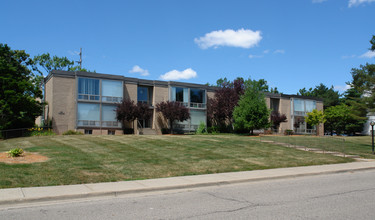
column 342, row 195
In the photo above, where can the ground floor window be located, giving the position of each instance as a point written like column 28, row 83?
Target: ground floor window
column 111, row 132
column 88, row 131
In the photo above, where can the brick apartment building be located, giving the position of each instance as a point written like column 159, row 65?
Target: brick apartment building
column 86, row 102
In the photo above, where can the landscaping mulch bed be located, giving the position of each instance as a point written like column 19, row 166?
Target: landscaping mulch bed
column 24, row 158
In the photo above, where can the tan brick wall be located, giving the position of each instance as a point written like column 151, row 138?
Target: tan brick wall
column 160, row 94
column 63, row 108
column 130, row 91
column 319, row 106
column 210, row 95
column 49, row 98
column 268, row 102
column 284, row 108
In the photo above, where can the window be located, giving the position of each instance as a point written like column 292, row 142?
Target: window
column 112, row 91
column 111, row 132
column 196, row 117
column 310, row 105
column 88, row 114
column 299, row 105
column 87, row 131
column 142, row 94
column 197, row 96
column 88, row 89
column 180, row 94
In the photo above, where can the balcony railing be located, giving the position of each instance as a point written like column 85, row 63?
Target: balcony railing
column 149, row 103
column 197, row 105
column 111, row 99
column 88, row 123
column 88, row 97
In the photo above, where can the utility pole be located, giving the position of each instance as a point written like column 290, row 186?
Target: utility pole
column 80, row 58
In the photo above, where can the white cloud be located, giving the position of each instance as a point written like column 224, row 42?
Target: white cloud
column 279, row 51
column 177, row 75
column 138, row 69
column 341, row 88
column 358, row 2
column 347, row 57
column 244, row 38
column 368, row 54
column 318, row 1
column 266, row 51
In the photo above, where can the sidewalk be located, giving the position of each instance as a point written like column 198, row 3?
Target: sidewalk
column 53, row 193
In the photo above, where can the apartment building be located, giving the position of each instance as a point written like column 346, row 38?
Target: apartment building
column 86, row 102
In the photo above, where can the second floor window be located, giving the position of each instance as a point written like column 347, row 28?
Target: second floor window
column 88, row 89
column 197, row 96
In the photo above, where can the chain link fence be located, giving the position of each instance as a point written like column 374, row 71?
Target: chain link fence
column 25, row 132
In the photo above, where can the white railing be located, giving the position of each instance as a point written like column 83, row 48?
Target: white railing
column 197, row 105
column 88, row 123
column 111, row 99
column 304, row 131
column 88, row 97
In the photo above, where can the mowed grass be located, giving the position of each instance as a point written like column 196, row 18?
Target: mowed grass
column 89, row 159
column 356, row 145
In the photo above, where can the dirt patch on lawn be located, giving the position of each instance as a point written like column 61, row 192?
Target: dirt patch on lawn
column 25, row 158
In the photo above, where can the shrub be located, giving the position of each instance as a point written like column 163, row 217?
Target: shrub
column 71, row 132
column 213, row 130
column 15, row 152
column 288, row 132
column 165, row 131
column 202, row 128
column 41, row 132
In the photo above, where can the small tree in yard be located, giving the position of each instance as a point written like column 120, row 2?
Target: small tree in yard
column 173, row 111
column 315, row 118
column 126, row 111
column 277, row 119
column 251, row 112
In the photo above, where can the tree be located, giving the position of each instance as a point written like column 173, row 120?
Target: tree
column 315, row 118
column 19, row 90
column 127, row 110
column 364, row 82
column 329, row 95
column 372, row 42
column 252, row 112
column 220, row 108
column 343, row 119
column 277, row 119
column 173, row 111
column 47, row 63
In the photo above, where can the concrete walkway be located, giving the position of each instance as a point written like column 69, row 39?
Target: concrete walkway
column 53, row 193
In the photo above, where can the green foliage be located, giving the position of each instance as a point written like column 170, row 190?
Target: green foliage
column 343, row 119
column 213, row 130
column 71, row 132
column 329, row 95
column 315, row 118
column 372, row 42
column 364, row 82
column 202, row 128
column 19, row 91
column 15, row 152
column 252, row 112
column 41, row 132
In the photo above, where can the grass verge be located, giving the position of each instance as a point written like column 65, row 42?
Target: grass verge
column 89, row 159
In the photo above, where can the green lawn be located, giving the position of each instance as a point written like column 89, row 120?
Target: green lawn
column 358, row 145
column 88, row 159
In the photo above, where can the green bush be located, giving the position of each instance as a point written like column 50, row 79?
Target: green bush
column 71, row 132
column 15, row 152
column 165, row 131
column 213, row 130
column 202, row 128
column 41, row 132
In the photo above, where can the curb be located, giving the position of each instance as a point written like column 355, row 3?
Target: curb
column 187, row 185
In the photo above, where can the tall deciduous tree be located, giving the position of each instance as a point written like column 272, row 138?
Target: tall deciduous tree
column 252, row 112
column 173, row 111
column 19, row 90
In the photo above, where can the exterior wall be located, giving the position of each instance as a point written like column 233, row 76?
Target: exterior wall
column 130, row 91
column 62, row 111
column 210, row 94
column 49, row 99
column 284, row 108
column 160, row 94
column 319, row 106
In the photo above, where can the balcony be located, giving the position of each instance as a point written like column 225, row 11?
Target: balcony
column 111, row 99
column 197, row 105
column 104, row 124
column 88, row 97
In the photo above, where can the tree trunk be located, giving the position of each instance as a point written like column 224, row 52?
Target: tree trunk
column 171, row 126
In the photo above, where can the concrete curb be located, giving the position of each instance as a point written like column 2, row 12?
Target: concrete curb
column 114, row 189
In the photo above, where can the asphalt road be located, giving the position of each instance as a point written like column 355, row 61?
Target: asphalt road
column 334, row 196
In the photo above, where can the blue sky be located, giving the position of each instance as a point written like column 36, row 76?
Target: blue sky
column 292, row 44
